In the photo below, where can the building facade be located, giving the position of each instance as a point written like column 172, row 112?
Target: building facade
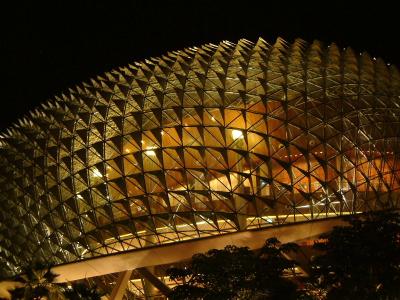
column 200, row 142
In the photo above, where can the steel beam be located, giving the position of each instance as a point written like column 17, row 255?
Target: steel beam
column 119, row 289
column 157, row 283
column 171, row 253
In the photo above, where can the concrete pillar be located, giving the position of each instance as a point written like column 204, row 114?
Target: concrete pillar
column 120, row 287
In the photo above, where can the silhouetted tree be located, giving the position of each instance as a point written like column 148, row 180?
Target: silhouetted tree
column 81, row 291
column 38, row 281
column 237, row 273
column 361, row 261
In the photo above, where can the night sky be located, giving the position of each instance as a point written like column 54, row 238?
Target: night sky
column 47, row 47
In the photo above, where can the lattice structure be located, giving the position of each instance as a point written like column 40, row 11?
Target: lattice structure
column 200, row 142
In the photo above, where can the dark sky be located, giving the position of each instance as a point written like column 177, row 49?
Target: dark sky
column 47, row 47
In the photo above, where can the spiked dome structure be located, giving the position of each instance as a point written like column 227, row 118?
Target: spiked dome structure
column 200, row 142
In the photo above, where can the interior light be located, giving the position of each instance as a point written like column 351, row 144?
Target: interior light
column 150, row 152
column 237, row 134
column 97, row 173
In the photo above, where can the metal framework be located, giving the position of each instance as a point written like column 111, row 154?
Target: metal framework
column 114, row 274
column 169, row 254
column 200, row 142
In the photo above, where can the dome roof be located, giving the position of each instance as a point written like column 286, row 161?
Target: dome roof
column 203, row 141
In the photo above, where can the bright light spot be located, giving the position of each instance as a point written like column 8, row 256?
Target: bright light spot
column 162, row 132
column 213, row 119
column 150, row 152
column 127, row 150
column 79, row 196
column 237, row 134
column 97, row 173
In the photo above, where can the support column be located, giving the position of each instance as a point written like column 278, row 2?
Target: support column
column 148, row 288
column 153, row 280
column 120, row 287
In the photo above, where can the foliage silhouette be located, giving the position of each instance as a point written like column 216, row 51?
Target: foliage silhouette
column 80, row 291
column 237, row 273
column 361, row 261
column 38, row 282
